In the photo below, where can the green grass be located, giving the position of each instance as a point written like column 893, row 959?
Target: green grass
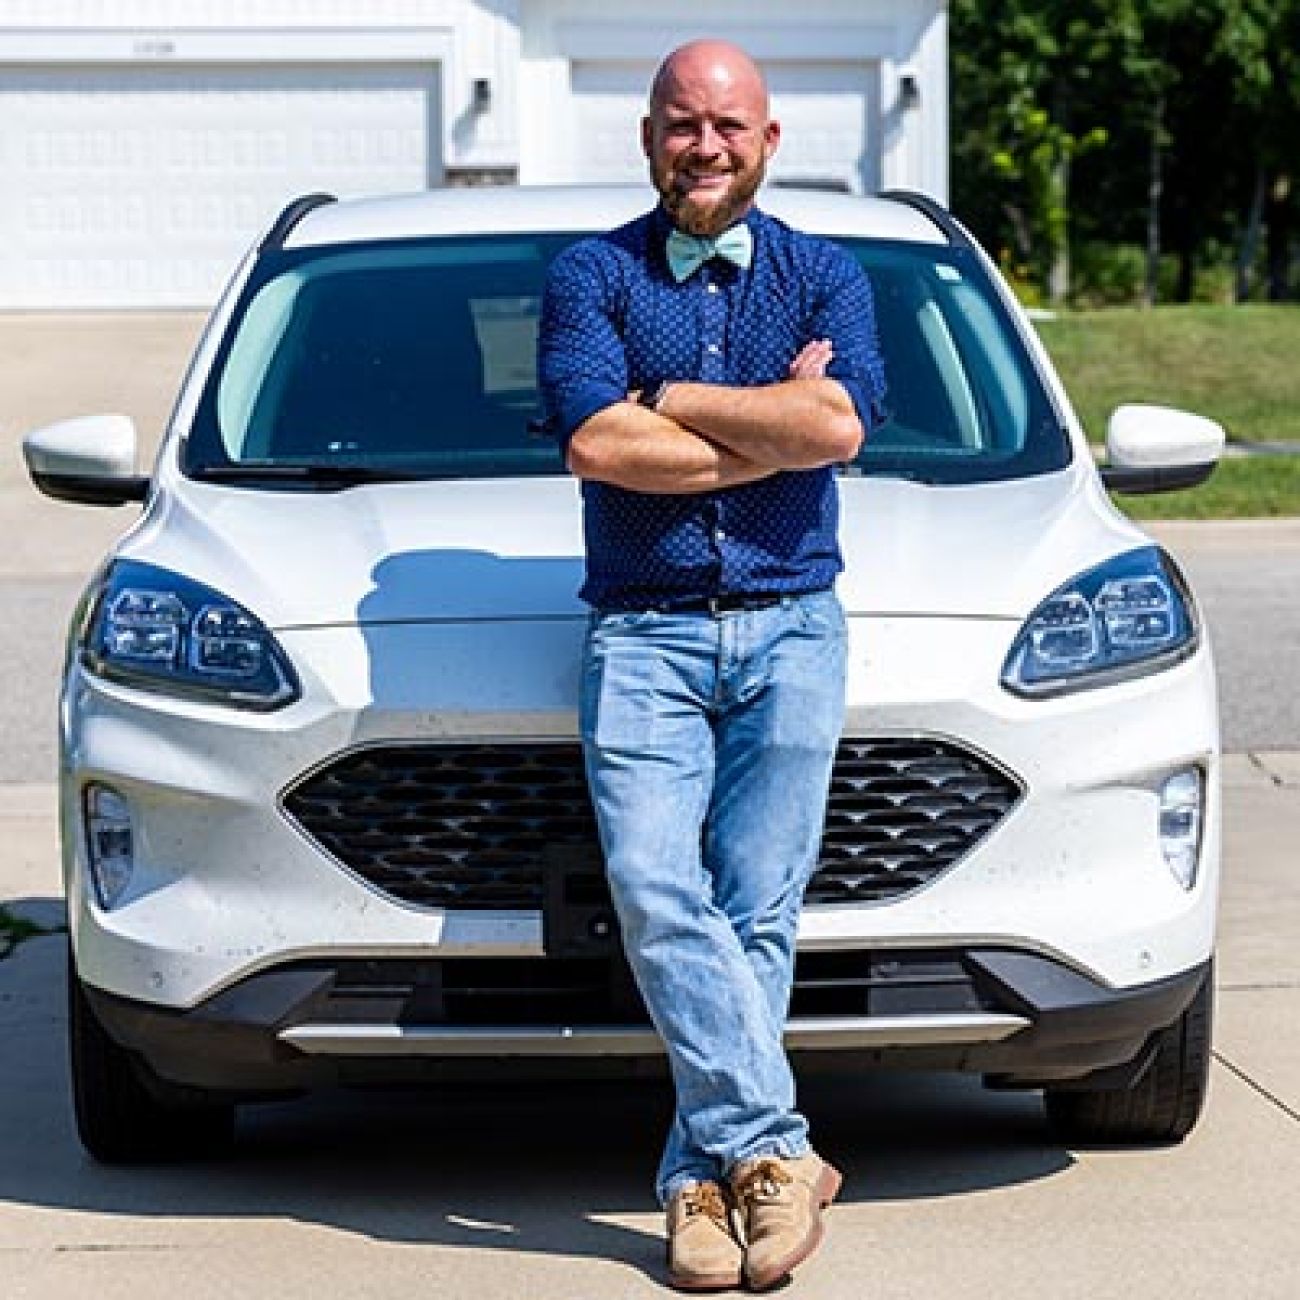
column 1247, row 487
column 1234, row 364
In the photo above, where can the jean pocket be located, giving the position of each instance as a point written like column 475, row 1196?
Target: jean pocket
column 624, row 620
column 821, row 614
column 619, row 708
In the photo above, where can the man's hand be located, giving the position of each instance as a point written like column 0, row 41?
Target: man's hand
column 708, row 436
column 810, row 363
column 812, row 360
column 804, row 422
column 632, row 447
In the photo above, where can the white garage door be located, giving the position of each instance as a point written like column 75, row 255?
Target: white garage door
column 824, row 109
column 142, row 186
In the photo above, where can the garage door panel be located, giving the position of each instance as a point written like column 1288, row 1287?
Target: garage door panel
column 128, row 186
column 824, row 110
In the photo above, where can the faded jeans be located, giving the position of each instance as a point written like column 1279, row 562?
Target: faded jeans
column 709, row 742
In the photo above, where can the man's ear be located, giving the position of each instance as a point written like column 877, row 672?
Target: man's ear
column 647, row 136
column 771, row 138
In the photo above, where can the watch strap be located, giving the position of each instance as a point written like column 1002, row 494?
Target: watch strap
column 653, row 394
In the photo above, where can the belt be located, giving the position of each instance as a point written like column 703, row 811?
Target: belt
column 727, row 602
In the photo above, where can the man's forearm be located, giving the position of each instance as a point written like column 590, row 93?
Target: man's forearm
column 632, row 447
column 796, row 424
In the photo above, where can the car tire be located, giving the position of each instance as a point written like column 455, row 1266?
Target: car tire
column 1163, row 1105
column 123, row 1114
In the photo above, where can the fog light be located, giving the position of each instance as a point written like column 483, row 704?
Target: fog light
column 1181, row 800
column 109, row 844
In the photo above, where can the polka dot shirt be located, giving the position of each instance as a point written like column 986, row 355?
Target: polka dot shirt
column 613, row 320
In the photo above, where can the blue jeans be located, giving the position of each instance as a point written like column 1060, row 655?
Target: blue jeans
column 709, row 743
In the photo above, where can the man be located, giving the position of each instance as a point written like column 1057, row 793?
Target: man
column 706, row 367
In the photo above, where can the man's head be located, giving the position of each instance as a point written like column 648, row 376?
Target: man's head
column 707, row 135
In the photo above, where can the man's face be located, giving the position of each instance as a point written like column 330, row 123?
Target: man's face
column 708, row 138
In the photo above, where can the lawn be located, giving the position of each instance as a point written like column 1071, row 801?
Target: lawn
column 1234, row 364
column 1248, row 487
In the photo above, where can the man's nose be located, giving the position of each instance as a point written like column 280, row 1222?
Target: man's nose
column 709, row 140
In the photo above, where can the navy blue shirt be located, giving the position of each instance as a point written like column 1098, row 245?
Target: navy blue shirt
column 613, row 319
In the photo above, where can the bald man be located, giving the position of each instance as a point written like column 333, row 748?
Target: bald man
column 706, row 367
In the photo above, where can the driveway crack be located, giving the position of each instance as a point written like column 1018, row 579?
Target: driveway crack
column 1271, row 1097
column 1260, row 766
column 1261, row 986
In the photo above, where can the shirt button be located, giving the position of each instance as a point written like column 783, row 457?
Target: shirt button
column 713, row 288
column 713, row 349
column 720, row 534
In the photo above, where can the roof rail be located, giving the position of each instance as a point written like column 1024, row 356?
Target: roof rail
column 933, row 209
column 291, row 216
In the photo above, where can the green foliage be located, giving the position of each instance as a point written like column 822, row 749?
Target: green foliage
column 1075, row 122
column 1106, row 275
column 1114, row 275
column 1021, row 279
column 1029, row 101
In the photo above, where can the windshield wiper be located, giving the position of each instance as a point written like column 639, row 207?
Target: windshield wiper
column 325, row 475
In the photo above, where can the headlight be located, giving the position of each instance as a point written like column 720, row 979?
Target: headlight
column 1128, row 617
column 157, row 630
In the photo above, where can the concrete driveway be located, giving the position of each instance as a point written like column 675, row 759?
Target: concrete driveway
column 514, row 1191
column 509, row 1191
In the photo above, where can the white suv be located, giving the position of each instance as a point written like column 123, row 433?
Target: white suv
column 323, row 813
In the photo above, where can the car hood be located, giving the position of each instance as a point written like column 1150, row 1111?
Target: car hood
column 512, row 549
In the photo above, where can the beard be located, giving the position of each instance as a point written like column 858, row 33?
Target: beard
column 710, row 217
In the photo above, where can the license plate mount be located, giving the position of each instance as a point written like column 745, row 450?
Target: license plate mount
column 578, row 918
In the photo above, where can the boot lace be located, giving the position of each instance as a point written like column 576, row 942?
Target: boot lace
column 706, row 1199
column 762, row 1182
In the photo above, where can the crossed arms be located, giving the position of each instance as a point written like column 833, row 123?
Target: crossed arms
column 708, row 436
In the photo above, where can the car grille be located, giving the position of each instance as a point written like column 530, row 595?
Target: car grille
column 600, row 991
column 467, row 826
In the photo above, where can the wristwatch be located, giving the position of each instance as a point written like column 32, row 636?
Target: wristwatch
column 653, row 394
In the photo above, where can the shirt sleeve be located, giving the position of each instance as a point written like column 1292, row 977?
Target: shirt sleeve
column 581, row 361
column 845, row 313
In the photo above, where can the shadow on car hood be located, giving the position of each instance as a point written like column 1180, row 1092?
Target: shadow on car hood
column 512, row 549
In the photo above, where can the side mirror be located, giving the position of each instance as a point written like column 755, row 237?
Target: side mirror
column 89, row 460
column 1159, row 449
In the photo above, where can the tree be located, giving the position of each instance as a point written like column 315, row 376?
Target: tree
column 1025, row 73
column 1167, row 123
column 1259, row 42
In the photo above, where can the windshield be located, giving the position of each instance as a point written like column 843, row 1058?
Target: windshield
column 415, row 358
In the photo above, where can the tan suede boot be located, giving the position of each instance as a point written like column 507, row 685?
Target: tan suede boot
column 781, row 1203
column 704, row 1253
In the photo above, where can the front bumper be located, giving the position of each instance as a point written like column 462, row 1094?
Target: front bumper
column 226, row 888
column 1020, row 1018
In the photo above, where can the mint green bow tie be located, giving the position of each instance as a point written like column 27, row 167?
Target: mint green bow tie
column 687, row 253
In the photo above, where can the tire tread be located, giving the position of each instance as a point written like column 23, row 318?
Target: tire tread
column 1163, row 1106
column 120, row 1119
